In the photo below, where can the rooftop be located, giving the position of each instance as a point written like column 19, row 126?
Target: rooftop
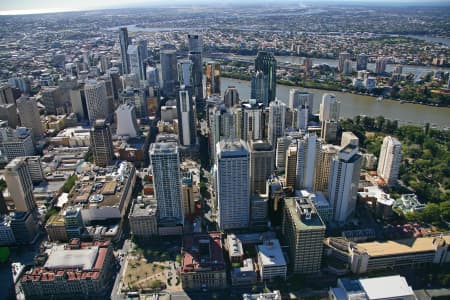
column 387, row 287
column 307, row 216
column 203, row 252
column 60, row 258
column 270, row 254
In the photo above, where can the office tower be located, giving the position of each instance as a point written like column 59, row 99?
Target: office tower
column 52, row 100
column 187, row 194
column 20, row 185
column 34, row 168
column 304, row 231
column 29, row 115
column 136, row 62
column 349, row 137
column 168, row 58
column 308, row 63
column 323, row 168
column 73, row 222
column 252, row 124
column 232, row 184
column 212, row 79
column 6, row 94
column 223, row 126
column 153, row 77
column 291, row 166
column 186, row 120
column 277, row 121
column 343, row 182
column 308, row 156
column 299, row 98
column 231, row 96
column 261, row 165
column 124, row 42
column 96, row 100
column 143, row 50
column 380, row 65
column 126, row 121
column 343, row 56
column 347, row 70
column 266, row 62
column 165, row 163
column 185, row 74
column 361, row 62
column 109, row 86
column 329, row 116
column 78, row 102
column 282, row 147
column 16, row 142
column 390, row 160
column 195, row 43
column 8, row 112
column 25, row 227
column 101, row 143
column 259, row 88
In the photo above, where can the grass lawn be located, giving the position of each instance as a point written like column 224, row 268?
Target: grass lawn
column 140, row 273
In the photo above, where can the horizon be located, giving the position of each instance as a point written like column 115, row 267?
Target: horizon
column 51, row 6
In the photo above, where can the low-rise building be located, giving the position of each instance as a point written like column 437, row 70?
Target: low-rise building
column 245, row 275
column 234, row 247
column 56, row 228
column 271, row 260
column 203, row 265
column 275, row 295
column 76, row 270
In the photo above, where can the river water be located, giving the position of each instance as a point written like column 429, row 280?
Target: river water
column 353, row 105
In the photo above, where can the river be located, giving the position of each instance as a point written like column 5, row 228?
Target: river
column 353, row 105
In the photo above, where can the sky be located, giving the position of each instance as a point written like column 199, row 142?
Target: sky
column 42, row 6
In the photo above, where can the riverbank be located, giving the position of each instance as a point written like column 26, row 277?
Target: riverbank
column 330, row 87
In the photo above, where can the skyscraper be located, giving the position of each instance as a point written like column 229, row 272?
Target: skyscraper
column 281, row 149
column 291, row 165
column 299, row 98
column 186, row 120
column 185, row 74
column 52, row 100
column 212, row 79
column 195, row 42
column 96, row 100
column 323, row 167
column 361, row 62
column 343, row 56
column 126, row 121
column 343, row 182
column 6, row 94
column 252, row 124
column 304, row 231
column 29, row 115
column 124, row 42
column 223, row 126
column 168, row 58
column 329, row 116
column 259, row 88
column 20, row 186
column 266, row 62
column 136, row 63
column 231, row 96
column 277, row 121
column 165, row 163
column 232, row 183
column 390, row 160
column 380, row 65
column 308, row 156
column 101, row 143
column 261, row 165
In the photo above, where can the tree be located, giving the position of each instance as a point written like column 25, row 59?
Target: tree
column 431, row 213
column 445, row 210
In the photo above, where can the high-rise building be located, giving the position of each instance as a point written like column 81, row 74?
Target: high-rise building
column 231, row 96
column 96, row 100
column 349, row 137
column 20, row 185
column 308, row 156
column 8, row 112
column 299, row 98
column 223, row 126
column 168, row 58
column 361, row 62
column 29, row 115
column 34, row 168
column 101, row 143
column 124, row 42
column 304, row 231
column 15, row 143
column 195, row 43
column 6, row 94
column 347, row 70
column 323, row 167
column 52, row 100
column 343, row 182
column 252, row 124
column 343, row 56
column 291, row 166
column 259, row 88
column 380, row 65
column 212, row 79
column 187, row 195
column 126, row 120
column 266, row 62
column 136, row 63
column 390, row 160
column 186, row 119
column 261, row 165
column 329, row 116
column 232, row 184
column 280, row 157
column 277, row 121
column 165, row 163
column 185, row 74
